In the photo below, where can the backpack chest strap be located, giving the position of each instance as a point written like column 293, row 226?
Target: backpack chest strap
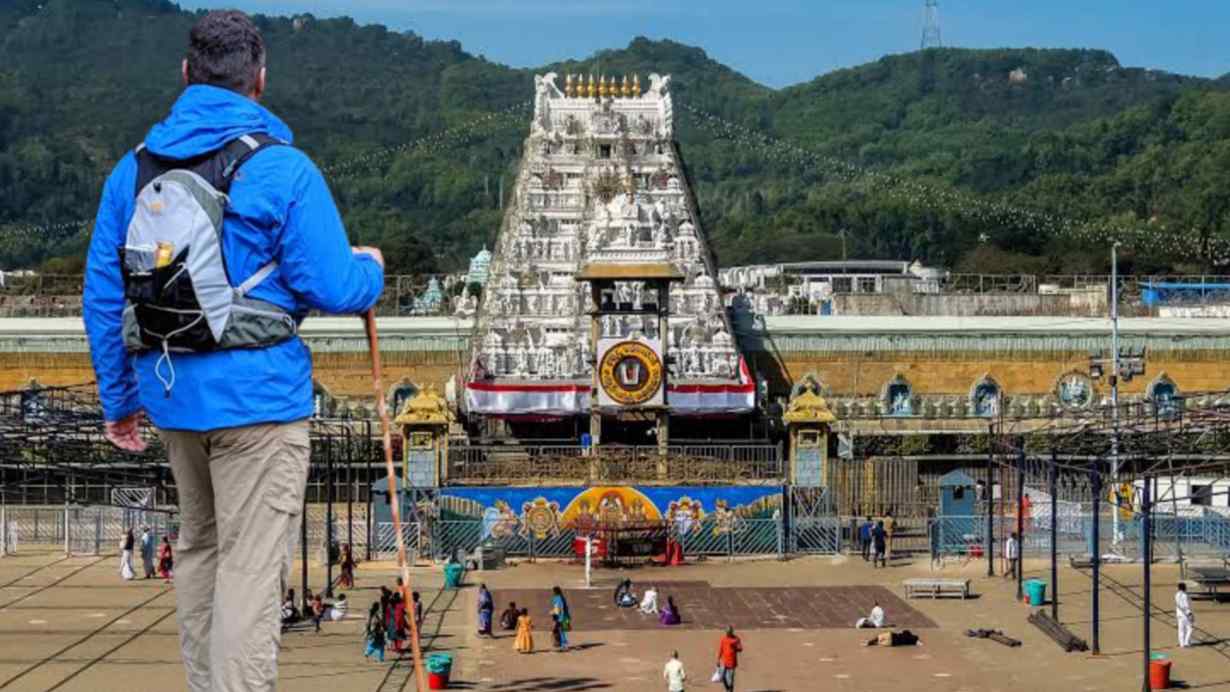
column 255, row 280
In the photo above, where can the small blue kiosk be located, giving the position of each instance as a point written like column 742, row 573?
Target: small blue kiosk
column 958, row 528
column 957, row 494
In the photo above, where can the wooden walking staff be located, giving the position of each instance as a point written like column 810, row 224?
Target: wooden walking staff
column 373, row 345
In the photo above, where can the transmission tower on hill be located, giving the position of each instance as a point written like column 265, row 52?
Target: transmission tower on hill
column 931, row 25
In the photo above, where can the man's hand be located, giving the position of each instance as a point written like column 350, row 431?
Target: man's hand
column 372, row 252
column 126, row 433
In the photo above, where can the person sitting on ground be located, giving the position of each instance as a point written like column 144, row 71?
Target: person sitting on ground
column 338, row 612
column 670, row 614
column 874, row 621
column 306, row 611
column 290, row 614
column 902, row 638
column 649, row 603
column 508, row 619
column 624, row 598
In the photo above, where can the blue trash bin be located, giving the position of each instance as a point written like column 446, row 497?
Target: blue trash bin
column 1035, row 589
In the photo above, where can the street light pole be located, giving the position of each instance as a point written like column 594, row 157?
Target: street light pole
column 1116, row 529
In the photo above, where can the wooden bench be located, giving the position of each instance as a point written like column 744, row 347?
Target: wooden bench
column 936, row 587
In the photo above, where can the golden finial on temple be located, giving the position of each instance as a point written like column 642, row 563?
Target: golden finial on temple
column 593, row 86
column 625, row 87
column 569, row 88
column 605, row 88
column 636, row 85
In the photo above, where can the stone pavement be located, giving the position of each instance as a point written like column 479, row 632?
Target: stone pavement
column 72, row 624
column 704, row 607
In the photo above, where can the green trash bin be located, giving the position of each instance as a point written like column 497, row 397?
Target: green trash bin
column 1035, row 589
column 441, row 663
column 452, row 575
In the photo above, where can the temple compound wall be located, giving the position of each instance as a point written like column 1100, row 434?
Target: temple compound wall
column 905, row 373
column 912, row 394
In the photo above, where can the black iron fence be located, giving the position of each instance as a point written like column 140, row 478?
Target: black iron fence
column 716, row 462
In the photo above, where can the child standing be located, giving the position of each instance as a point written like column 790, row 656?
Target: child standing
column 375, row 634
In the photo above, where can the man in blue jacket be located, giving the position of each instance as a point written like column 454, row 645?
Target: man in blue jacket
column 235, row 423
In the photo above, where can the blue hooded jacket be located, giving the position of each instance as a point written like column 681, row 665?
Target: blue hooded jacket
column 280, row 210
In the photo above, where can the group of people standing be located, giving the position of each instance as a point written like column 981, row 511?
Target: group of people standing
column 388, row 621
column 875, row 539
column 164, row 553
column 518, row 620
column 561, row 623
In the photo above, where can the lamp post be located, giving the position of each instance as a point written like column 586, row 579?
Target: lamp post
column 1116, row 530
column 1119, row 365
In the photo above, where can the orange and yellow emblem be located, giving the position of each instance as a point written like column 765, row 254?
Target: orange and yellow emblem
column 630, row 373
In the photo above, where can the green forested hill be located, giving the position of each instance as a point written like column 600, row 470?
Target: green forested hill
column 998, row 160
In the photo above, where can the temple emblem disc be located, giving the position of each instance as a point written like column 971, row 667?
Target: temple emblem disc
column 630, row 373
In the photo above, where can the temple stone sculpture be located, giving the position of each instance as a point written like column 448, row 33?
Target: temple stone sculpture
column 600, row 183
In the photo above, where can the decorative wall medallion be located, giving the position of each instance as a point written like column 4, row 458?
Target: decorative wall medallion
column 630, row 373
column 1074, row 390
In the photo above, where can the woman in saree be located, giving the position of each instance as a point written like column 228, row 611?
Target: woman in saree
column 559, row 611
column 166, row 559
column 348, row 563
column 670, row 614
column 486, row 608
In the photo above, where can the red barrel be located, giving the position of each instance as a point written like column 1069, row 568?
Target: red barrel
column 1159, row 675
column 437, row 681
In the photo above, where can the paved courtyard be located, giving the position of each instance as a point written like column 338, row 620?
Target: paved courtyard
column 72, row 624
column 704, row 607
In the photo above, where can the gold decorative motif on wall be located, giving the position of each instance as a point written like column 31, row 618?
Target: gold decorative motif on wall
column 425, row 408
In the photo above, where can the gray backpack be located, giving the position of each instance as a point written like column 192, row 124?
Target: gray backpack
column 179, row 295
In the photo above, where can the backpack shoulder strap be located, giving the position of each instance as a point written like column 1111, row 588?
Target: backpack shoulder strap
column 236, row 153
column 217, row 167
column 148, row 167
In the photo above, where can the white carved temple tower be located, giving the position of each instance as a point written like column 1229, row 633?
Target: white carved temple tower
column 600, row 183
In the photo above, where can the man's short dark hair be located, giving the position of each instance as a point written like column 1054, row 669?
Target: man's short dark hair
column 225, row 49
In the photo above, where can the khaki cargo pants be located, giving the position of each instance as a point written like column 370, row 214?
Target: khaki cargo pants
column 240, row 500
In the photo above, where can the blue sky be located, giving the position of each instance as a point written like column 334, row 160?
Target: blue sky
column 783, row 42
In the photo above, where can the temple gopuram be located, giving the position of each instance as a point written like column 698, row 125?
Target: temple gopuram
column 601, row 190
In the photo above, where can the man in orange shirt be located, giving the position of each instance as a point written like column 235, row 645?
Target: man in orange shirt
column 728, row 658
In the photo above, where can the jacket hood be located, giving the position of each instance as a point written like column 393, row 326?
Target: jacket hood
column 205, row 118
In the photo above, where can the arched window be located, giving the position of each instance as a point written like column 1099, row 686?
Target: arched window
column 401, row 393
column 985, row 398
column 899, row 397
